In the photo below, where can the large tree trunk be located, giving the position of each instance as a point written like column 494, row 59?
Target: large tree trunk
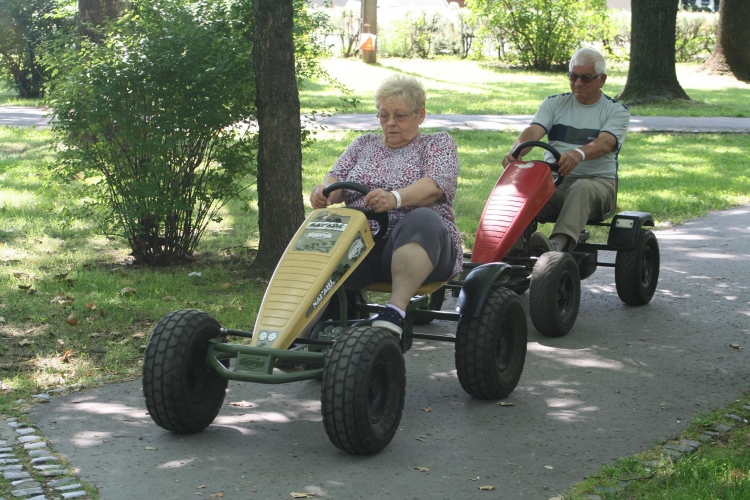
column 652, row 75
column 280, row 207
column 93, row 13
column 732, row 50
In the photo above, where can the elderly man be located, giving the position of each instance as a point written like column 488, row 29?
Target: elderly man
column 587, row 127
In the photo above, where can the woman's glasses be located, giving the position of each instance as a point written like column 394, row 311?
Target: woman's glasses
column 586, row 79
column 399, row 117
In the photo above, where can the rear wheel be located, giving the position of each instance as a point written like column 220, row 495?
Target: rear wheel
column 555, row 294
column 363, row 390
column 637, row 270
column 183, row 392
column 491, row 349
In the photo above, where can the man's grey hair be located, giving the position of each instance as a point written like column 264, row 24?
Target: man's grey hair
column 587, row 55
column 404, row 87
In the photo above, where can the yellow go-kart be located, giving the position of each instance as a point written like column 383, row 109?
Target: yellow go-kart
column 189, row 360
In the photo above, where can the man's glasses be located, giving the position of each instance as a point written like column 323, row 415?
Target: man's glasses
column 399, row 117
column 586, row 79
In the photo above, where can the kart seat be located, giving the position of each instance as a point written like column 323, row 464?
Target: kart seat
column 385, row 287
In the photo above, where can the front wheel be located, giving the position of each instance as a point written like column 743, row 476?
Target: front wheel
column 183, row 392
column 637, row 270
column 555, row 294
column 491, row 349
column 363, row 390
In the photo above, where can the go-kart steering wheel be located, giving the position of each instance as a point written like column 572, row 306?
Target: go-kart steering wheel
column 543, row 145
column 381, row 218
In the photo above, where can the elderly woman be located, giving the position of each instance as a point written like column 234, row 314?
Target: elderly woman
column 413, row 176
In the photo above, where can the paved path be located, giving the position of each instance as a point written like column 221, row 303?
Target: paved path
column 21, row 116
column 624, row 379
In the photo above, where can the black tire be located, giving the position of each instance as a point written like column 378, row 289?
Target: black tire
column 363, row 389
column 555, row 294
column 637, row 270
column 436, row 303
column 491, row 349
column 183, row 392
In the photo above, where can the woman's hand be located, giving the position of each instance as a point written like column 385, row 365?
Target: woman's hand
column 318, row 200
column 380, row 200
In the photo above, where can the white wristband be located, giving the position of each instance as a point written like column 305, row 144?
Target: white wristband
column 583, row 155
column 398, row 198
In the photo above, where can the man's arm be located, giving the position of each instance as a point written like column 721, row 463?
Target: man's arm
column 533, row 132
column 599, row 147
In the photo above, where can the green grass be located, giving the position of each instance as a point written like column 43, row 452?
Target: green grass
column 65, row 316
column 470, row 87
column 9, row 96
column 719, row 470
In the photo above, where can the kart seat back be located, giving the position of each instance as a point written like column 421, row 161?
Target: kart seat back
column 385, row 287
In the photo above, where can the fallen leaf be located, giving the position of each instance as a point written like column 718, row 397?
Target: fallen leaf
column 61, row 276
column 21, row 276
column 217, row 495
column 420, row 438
column 421, row 469
column 95, row 334
column 72, row 320
column 60, row 342
column 150, row 448
column 301, row 495
column 168, row 298
column 427, row 408
column 93, row 317
column 241, row 404
column 487, row 488
column 736, row 346
column 548, row 467
column 505, row 403
column 127, row 291
column 138, row 335
column 65, row 357
column 201, row 486
column 474, row 478
column 2, row 320
column 63, row 303
column 226, row 285
column 90, row 306
column 25, row 342
column 738, row 474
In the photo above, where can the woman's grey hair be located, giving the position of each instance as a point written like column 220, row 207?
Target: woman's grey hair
column 404, row 87
column 584, row 56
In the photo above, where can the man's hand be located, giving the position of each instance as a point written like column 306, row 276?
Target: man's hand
column 509, row 158
column 567, row 162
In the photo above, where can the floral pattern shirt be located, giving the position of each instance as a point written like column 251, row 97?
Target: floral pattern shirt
column 370, row 162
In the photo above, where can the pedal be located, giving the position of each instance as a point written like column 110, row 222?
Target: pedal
column 584, row 236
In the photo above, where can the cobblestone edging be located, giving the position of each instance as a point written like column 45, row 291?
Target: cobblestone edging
column 33, row 471
column 673, row 451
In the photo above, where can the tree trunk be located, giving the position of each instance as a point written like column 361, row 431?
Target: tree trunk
column 370, row 25
column 93, row 13
column 652, row 75
column 280, row 207
column 732, row 50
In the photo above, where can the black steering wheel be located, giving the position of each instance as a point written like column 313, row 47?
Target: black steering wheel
column 381, row 218
column 543, row 145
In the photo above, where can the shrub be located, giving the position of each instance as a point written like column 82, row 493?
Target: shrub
column 695, row 36
column 147, row 121
column 420, row 34
column 540, row 34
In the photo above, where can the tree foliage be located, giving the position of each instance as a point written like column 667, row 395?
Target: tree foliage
column 147, row 121
column 541, row 34
column 25, row 26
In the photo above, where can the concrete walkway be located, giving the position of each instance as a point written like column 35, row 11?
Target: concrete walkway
column 26, row 116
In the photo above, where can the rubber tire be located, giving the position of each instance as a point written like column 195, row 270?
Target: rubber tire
column 183, row 392
column 491, row 349
column 363, row 390
column 436, row 303
column 555, row 294
column 637, row 270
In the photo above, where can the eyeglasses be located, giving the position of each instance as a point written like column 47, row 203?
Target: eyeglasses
column 586, row 79
column 399, row 117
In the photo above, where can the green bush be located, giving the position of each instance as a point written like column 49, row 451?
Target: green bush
column 420, row 34
column 695, row 36
column 540, row 34
column 148, row 118
column 25, row 26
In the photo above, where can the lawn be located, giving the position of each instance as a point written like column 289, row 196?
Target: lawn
column 457, row 86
